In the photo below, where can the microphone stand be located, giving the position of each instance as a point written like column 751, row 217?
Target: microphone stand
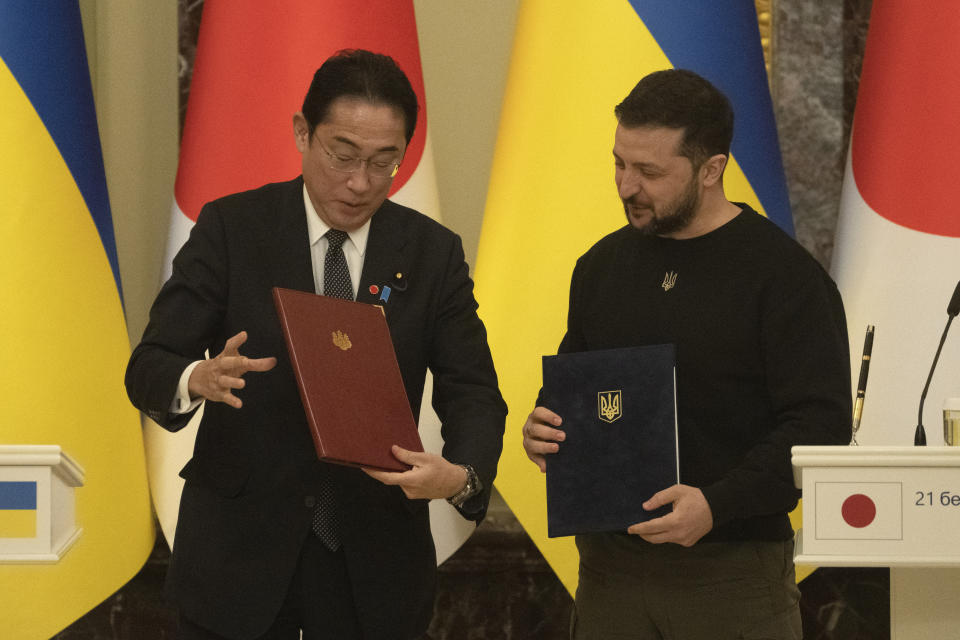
column 953, row 309
column 920, row 436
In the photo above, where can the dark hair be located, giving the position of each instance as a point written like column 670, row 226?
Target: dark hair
column 363, row 74
column 681, row 99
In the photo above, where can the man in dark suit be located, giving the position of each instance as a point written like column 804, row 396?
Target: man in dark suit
column 270, row 541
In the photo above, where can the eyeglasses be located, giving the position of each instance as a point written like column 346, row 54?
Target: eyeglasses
column 350, row 164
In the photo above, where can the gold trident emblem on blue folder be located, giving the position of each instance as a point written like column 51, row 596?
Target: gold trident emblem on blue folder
column 608, row 405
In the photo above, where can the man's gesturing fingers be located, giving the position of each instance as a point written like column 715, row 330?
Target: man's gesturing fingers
column 216, row 378
column 233, row 364
column 233, row 344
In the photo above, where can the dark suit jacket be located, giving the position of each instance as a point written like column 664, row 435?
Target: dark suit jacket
column 246, row 505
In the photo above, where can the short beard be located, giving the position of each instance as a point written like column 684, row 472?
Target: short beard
column 676, row 216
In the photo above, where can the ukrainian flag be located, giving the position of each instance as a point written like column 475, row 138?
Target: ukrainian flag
column 63, row 338
column 18, row 509
column 552, row 193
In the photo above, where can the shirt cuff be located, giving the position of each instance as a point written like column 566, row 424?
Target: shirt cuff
column 181, row 401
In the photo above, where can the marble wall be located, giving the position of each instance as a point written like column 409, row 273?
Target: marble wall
column 818, row 48
column 497, row 586
column 807, row 88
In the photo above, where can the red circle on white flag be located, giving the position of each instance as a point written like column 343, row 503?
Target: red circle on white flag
column 904, row 147
column 858, row 510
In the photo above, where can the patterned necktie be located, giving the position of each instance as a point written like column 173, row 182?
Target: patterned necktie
column 336, row 277
column 336, row 284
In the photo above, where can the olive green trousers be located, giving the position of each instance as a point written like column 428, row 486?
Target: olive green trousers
column 631, row 589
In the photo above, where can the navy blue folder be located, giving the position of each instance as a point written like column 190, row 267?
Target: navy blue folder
column 619, row 414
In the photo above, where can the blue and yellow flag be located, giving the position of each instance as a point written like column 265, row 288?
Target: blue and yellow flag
column 552, row 192
column 18, row 508
column 75, row 521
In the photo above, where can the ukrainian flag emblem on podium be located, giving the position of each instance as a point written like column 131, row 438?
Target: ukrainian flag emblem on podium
column 18, row 509
column 37, row 504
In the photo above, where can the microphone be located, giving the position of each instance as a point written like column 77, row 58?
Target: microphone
column 953, row 308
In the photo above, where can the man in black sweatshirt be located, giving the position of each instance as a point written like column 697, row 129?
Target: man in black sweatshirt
column 762, row 365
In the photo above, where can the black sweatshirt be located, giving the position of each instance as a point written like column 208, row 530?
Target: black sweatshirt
column 762, row 355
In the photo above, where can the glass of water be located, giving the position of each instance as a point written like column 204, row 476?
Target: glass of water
column 951, row 422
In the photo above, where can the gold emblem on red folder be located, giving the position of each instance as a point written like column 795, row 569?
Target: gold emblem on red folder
column 609, row 405
column 342, row 340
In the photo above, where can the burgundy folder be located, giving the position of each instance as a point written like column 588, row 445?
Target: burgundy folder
column 349, row 380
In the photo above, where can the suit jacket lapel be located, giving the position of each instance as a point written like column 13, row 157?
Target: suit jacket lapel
column 291, row 254
column 384, row 264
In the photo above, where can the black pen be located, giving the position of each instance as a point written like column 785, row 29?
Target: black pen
column 862, row 384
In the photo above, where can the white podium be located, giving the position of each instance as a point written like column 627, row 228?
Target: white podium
column 896, row 507
column 37, row 484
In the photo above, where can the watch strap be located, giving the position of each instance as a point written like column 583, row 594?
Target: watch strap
column 472, row 487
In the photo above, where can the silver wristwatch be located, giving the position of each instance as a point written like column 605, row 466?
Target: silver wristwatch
column 472, row 487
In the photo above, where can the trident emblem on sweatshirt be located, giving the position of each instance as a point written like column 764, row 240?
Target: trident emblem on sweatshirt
column 669, row 279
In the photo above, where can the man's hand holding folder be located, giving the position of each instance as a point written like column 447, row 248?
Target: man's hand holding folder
column 540, row 435
column 690, row 520
column 431, row 476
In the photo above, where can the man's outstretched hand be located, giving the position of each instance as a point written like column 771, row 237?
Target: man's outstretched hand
column 216, row 378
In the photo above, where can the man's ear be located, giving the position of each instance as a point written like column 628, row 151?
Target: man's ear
column 301, row 131
column 712, row 169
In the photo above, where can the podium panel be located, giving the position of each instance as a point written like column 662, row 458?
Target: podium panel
column 896, row 507
column 879, row 505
